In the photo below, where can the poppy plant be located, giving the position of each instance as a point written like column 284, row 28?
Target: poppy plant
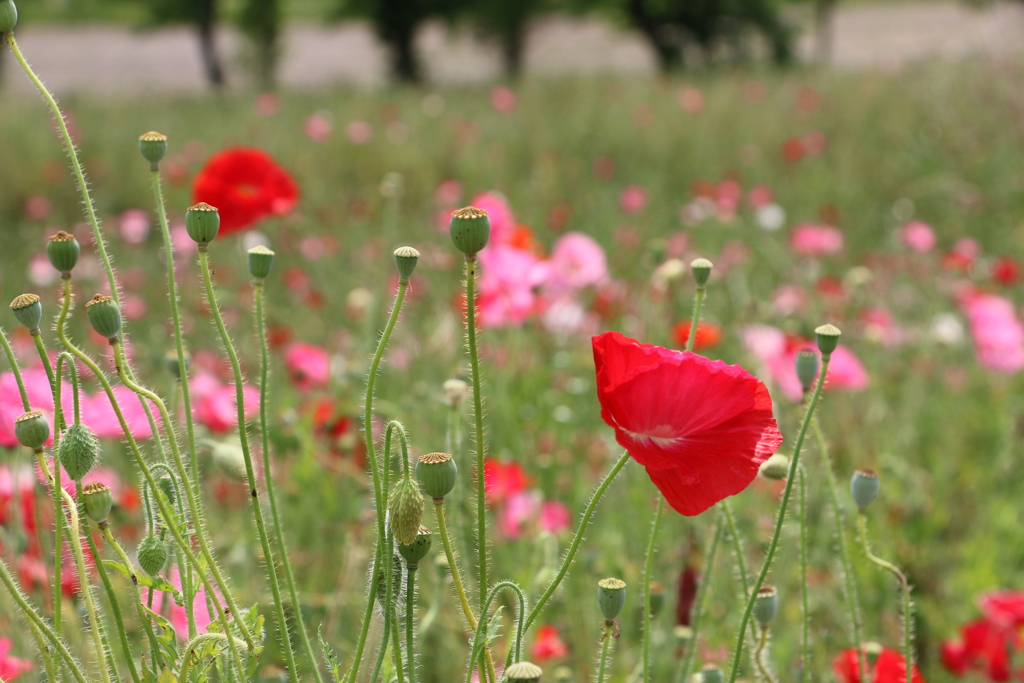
column 246, row 185
column 700, row 427
column 890, row 667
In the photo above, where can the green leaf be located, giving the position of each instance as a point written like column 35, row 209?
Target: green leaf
column 166, row 676
column 157, row 583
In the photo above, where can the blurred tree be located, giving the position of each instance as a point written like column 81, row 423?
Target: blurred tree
column 260, row 20
column 202, row 14
column 508, row 21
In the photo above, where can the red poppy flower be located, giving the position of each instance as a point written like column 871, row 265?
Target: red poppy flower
column 700, row 427
column 1004, row 607
column 502, row 480
column 708, row 334
column 246, row 185
column 890, row 667
column 548, row 644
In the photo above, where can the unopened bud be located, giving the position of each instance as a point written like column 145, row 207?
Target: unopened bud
column 78, row 451
column 8, row 16
column 405, row 510
column 152, row 555
column 864, row 487
column 776, row 467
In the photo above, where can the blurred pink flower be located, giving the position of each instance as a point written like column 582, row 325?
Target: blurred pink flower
column 200, row 611
column 633, row 199
column 359, row 132
column 38, row 207
column 134, row 226
column 500, row 215
column 507, row 295
column 11, row 667
column 267, row 104
column 917, row 236
column 317, row 127
column 760, row 196
column 503, row 99
column 691, row 100
column 577, row 261
column 309, row 366
column 808, row 239
column 526, row 511
column 214, row 402
column 448, row 193
column 997, row 332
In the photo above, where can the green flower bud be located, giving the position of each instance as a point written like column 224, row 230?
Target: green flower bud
column 807, row 368
column 79, row 450
column 710, row 673
column 828, row 339
column 171, row 363
column 97, row 501
column 152, row 554
column 405, row 259
column 32, row 430
column 864, row 487
column 202, row 222
column 8, row 16
column 766, row 604
column 701, row 269
column 104, row 316
column 28, row 310
column 405, row 510
column 63, row 250
column 470, row 229
column 261, row 260
column 418, row 549
column 437, row 473
column 776, row 467
column 523, row 672
column 611, row 597
column 153, row 147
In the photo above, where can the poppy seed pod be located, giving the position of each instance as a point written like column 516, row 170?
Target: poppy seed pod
column 32, row 429
column 437, row 473
column 78, row 451
column 406, row 259
column 8, row 16
column 611, row 597
column 261, row 260
column 152, row 554
column 524, row 672
column 153, row 147
column 104, row 316
column 470, row 228
column 710, row 673
column 828, row 339
column 202, row 222
column 701, row 269
column 28, row 310
column 766, row 604
column 864, row 487
column 405, row 510
column 63, row 250
column 414, row 552
column 97, row 501
column 807, row 368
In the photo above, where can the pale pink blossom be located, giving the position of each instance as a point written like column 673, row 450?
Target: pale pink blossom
column 359, row 132
column 760, row 196
column 528, row 511
column 500, row 215
column 507, row 285
column 503, row 99
column 917, row 236
column 309, row 366
column 448, row 192
column 808, row 239
column 691, row 100
column 214, row 402
column 633, row 199
column 577, row 261
column 267, row 104
column 317, row 127
column 134, row 226
column 200, row 611
column 997, row 331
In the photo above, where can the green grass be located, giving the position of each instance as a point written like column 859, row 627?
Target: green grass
column 943, row 433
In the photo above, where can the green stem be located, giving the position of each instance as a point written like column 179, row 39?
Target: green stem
column 477, row 645
column 275, row 515
column 186, row 665
column 154, row 647
column 250, row 473
column 839, row 519
column 698, row 302
column 908, row 607
column 115, row 604
column 44, row 651
column 648, row 564
column 15, row 369
column 773, row 546
column 371, row 456
column 478, row 419
column 759, row 657
column 805, row 670
column 606, row 640
column 410, row 642
column 702, row 592
column 737, row 549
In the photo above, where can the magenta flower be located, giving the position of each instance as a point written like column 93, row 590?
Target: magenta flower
column 11, row 667
column 309, row 366
column 633, row 199
column 527, row 510
column 507, row 284
column 577, row 261
column 500, row 215
column 808, row 239
column 917, row 236
column 997, row 332
column 214, row 402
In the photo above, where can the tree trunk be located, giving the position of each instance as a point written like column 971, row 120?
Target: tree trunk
column 206, row 23
column 513, row 44
column 669, row 55
column 403, row 55
column 824, row 15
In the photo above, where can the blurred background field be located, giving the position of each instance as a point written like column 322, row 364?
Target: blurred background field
column 652, row 168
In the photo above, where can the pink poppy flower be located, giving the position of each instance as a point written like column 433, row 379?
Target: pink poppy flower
column 214, row 402
column 503, row 99
column 997, row 332
column 577, row 261
column 808, row 239
column 506, row 285
column 917, row 236
column 500, row 214
column 526, row 510
column 633, row 199
column 317, row 127
column 200, row 611
column 134, row 226
column 309, row 366
column 11, row 667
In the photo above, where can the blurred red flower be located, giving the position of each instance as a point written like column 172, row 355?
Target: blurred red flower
column 1004, row 607
column 246, row 185
column 708, row 334
column 1006, row 271
column 700, row 427
column 11, row 667
column 890, row 667
column 548, row 644
column 502, row 480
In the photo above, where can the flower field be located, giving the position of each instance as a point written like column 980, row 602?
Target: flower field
column 887, row 207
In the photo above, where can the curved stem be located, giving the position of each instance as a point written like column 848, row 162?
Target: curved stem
column 648, row 564
column 477, row 646
column 186, row 665
column 115, row 605
column 243, row 435
column 278, row 527
column 702, row 591
column 371, row 456
column 805, row 639
column 50, row 663
column 839, row 519
column 908, row 607
column 773, row 546
column 154, row 647
column 759, row 657
column 478, row 418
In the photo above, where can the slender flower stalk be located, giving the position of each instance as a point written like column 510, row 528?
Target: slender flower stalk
column 647, row 589
column 477, row 643
column 774, row 544
column 762, row 646
column 607, row 636
column 805, row 636
column 702, row 592
column 410, row 641
column 908, row 605
column 278, row 527
column 250, row 472
column 478, row 419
